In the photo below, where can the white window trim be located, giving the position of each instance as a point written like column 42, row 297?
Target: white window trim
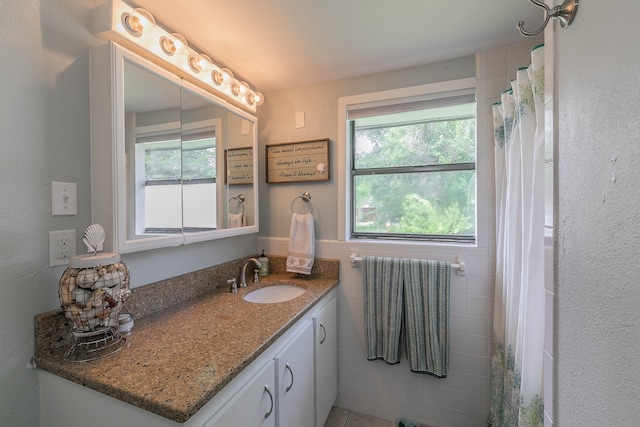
column 344, row 184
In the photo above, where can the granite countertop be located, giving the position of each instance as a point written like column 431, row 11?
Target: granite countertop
column 179, row 358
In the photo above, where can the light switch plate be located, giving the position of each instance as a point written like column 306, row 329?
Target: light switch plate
column 64, row 198
column 299, row 119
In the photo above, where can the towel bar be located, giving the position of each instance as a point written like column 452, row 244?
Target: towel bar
column 355, row 259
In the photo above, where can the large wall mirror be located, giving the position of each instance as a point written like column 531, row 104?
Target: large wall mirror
column 184, row 160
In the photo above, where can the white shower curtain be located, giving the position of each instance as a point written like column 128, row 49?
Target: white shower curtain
column 518, row 327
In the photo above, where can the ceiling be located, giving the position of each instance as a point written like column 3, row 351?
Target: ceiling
column 279, row 44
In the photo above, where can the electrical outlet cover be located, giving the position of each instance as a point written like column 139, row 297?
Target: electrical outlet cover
column 62, row 246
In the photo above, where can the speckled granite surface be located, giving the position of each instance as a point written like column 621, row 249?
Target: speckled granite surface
column 183, row 351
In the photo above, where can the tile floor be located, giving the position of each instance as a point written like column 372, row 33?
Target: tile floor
column 342, row 418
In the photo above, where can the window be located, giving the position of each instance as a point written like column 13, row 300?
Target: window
column 413, row 168
column 177, row 180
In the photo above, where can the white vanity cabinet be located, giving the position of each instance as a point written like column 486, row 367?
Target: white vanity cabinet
column 254, row 405
column 325, row 324
column 295, row 388
column 302, row 360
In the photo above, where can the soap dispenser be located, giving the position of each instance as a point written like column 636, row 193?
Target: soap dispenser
column 264, row 264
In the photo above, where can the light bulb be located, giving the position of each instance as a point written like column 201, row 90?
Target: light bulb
column 139, row 21
column 174, row 44
column 255, row 98
column 199, row 62
column 221, row 76
column 236, row 88
column 226, row 74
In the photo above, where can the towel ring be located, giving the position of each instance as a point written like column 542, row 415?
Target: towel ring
column 240, row 199
column 306, row 197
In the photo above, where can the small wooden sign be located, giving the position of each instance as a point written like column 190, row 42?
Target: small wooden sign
column 305, row 161
column 238, row 165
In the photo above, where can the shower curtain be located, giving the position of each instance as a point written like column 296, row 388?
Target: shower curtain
column 518, row 327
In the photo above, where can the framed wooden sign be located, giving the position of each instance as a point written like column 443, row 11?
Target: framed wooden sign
column 238, row 166
column 305, row 161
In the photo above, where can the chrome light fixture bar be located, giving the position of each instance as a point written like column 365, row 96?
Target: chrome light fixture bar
column 136, row 29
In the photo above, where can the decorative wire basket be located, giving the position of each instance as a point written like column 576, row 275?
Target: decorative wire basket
column 92, row 291
column 95, row 345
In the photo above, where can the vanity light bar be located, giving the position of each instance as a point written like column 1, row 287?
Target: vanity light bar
column 137, row 30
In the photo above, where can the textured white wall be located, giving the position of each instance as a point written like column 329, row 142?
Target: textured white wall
column 550, row 180
column 599, row 218
column 45, row 129
column 44, row 118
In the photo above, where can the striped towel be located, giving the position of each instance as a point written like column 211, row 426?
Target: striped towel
column 383, row 278
column 426, row 290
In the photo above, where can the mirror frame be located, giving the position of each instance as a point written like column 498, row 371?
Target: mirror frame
column 108, row 161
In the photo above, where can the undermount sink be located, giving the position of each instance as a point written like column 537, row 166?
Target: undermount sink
column 276, row 293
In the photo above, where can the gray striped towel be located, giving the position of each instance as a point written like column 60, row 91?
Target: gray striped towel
column 383, row 280
column 426, row 290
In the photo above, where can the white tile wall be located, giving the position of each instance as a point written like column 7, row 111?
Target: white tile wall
column 392, row 391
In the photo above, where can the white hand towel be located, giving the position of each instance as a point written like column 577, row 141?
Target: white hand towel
column 236, row 220
column 301, row 244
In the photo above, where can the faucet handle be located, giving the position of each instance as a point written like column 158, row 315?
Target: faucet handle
column 234, row 287
column 256, row 277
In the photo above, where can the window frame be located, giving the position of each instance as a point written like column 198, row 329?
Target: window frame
column 374, row 100
column 159, row 132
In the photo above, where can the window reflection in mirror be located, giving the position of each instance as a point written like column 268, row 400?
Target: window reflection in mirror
column 172, row 185
column 158, row 156
column 152, row 150
column 174, row 156
column 203, row 126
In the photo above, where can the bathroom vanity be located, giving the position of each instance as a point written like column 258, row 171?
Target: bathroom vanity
column 215, row 360
column 202, row 356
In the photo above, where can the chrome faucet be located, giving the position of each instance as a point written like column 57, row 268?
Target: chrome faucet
column 242, row 273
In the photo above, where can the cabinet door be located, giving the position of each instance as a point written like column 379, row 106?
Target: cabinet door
column 295, row 388
column 253, row 406
column 326, row 359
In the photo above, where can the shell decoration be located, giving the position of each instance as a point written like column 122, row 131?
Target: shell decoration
column 92, row 298
column 94, row 237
